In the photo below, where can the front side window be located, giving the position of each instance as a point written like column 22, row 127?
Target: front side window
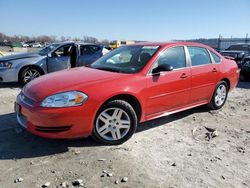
column 174, row 57
column 63, row 51
column 215, row 57
column 199, row 56
column 126, row 59
column 48, row 49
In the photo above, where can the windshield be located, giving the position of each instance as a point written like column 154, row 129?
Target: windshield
column 239, row 47
column 126, row 59
column 48, row 49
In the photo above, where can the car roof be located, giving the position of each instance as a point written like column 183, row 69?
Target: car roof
column 73, row 42
column 164, row 44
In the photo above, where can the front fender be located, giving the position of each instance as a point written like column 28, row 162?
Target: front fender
column 37, row 61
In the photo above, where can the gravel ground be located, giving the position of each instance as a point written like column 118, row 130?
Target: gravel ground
column 166, row 152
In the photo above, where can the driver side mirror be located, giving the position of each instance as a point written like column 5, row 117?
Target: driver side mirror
column 50, row 55
column 162, row 68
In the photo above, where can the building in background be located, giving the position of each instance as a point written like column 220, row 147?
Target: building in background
column 116, row 43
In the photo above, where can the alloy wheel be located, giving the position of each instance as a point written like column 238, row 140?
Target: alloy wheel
column 113, row 124
column 30, row 74
column 220, row 95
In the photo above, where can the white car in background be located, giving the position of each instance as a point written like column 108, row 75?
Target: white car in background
column 26, row 45
column 36, row 45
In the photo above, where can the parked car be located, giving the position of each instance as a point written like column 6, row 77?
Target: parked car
column 130, row 84
column 58, row 56
column 36, row 45
column 245, row 69
column 238, row 52
column 26, row 45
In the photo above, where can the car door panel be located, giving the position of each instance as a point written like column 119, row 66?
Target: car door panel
column 60, row 62
column 168, row 92
column 204, row 80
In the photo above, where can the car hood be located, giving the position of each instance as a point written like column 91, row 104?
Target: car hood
column 67, row 80
column 19, row 56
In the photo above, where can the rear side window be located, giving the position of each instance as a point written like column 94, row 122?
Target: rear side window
column 89, row 50
column 199, row 56
column 215, row 57
column 173, row 56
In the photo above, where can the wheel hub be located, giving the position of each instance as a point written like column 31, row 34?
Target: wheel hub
column 113, row 124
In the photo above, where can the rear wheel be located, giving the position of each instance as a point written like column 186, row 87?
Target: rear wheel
column 220, row 96
column 29, row 74
column 115, row 123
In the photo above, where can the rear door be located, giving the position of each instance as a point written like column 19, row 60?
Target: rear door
column 204, row 75
column 169, row 91
column 61, row 59
column 89, row 54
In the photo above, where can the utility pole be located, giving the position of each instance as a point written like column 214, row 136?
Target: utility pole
column 246, row 40
column 219, row 42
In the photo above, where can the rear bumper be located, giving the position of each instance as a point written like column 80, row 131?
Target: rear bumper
column 57, row 123
column 8, row 75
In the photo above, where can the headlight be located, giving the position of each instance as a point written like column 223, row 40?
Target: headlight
column 5, row 65
column 241, row 54
column 66, row 99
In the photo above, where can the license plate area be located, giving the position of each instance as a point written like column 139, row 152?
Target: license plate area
column 22, row 120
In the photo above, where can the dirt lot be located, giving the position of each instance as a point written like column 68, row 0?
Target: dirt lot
column 167, row 152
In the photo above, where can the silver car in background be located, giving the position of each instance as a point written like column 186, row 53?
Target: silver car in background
column 58, row 56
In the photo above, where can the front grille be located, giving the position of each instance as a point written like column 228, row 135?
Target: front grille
column 53, row 129
column 26, row 100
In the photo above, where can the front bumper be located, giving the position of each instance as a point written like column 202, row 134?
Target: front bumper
column 58, row 123
column 8, row 75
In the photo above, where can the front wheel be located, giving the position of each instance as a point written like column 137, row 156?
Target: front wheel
column 220, row 96
column 115, row 123
column 29, row 74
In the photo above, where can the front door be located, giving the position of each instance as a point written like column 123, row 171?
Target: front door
column 169, row 91
column 60, row 59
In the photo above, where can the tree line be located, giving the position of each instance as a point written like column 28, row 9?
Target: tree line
column 50, row 39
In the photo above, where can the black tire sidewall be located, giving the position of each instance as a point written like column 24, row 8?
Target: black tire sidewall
column 131, row 113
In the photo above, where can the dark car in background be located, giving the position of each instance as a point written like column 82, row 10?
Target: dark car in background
column 238, row 52
column 245, row 69
column 57, row 56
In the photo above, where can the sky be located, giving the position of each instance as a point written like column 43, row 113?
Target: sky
column 149, row 20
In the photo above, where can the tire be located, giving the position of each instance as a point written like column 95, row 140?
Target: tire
column 220, row 96
column 115, row 123
column 29, row 72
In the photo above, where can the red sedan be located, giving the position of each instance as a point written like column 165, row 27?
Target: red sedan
column 129, row 85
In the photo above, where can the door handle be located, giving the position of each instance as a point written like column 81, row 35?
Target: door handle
column 183, row 76
column 214, row 70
